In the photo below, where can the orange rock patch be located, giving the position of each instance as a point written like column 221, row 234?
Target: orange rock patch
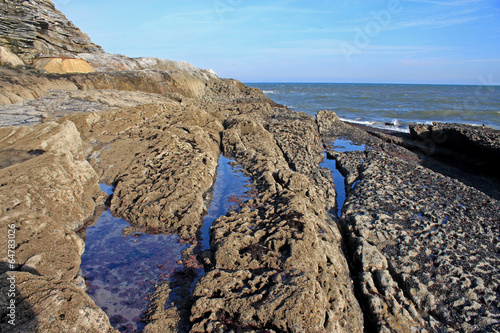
column 61, row 65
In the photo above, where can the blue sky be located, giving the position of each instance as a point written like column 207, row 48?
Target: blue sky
column 379, row 41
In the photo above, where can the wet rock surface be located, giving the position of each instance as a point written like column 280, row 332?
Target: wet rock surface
column 167, row 153
column 48, row 305
column 44, row 200
column 424, row 246
column 259, row 280
column 416, row 250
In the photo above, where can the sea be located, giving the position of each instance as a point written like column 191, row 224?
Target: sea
column 392, row 106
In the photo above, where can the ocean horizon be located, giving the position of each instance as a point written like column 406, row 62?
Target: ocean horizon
column 391, row 105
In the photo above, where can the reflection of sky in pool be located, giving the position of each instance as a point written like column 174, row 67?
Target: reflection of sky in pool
column 231, row 182
column 107, row 189
column 344, row 145
column 121, row 270
column 338, row 179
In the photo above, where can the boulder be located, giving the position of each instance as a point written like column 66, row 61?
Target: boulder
column 476, row 146
column 9, row 58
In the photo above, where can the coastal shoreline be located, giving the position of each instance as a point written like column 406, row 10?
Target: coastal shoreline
column 415, row 246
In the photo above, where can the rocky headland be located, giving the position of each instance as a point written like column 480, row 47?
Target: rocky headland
column 416, row 246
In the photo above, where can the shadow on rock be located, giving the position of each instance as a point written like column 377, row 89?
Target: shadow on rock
column 16, row 313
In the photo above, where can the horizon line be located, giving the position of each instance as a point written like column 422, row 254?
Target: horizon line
column 378, row 83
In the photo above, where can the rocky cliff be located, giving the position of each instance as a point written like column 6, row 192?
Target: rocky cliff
column 414, row 249
column 34, row 28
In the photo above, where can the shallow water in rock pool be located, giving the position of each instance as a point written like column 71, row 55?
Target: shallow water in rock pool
column 342, row 146
column 121, row 270
column 121, row 264
column 232, row 188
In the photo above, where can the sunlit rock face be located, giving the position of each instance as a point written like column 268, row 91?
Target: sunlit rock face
column 61, row 65
column 36, row 28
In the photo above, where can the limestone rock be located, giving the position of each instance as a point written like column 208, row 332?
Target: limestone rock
column 475, row 145
column 9, row 58
column 434, row 232
column 36, row 28
column 18, row 86
column 106, row 62
column 44, row 305
column 60, row 65
column 59, row 139
column 47, row 197
column 170, row 158
column 260, row 280
column 328, row 122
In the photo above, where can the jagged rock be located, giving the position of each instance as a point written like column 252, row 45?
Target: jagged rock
column 474, row 145
column 427, row 227
column 422, row 248
column 433, row 231
column 260, row 280
column 60, row 65
column 168, row 153
column 47, row 198
column 33, row 28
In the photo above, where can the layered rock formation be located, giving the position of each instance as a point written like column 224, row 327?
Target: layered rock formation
column 259, row 279
column 7, row 58
column 36, row 28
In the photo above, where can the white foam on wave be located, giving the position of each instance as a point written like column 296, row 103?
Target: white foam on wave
column 361, row 122
column 396, row 126
column 269, row 91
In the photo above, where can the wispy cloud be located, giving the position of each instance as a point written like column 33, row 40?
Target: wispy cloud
column 435, row 22
column 446, row 3
column 433, row 17
column 442, row 61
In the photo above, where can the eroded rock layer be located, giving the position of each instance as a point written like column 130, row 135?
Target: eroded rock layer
column 259, row 279
column 424, row 246
column 35, row 27
column 45, row 199
column 416, row 250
